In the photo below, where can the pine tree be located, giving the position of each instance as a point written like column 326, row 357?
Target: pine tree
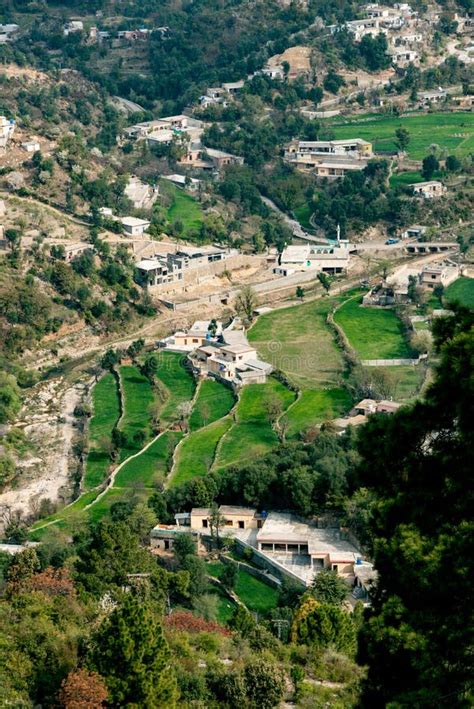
column 132, row 655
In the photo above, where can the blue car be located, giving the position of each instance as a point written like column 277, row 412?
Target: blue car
column 390, row 242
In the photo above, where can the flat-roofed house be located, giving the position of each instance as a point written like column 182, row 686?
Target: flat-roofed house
column 285, row 534
column 235, row 517
column 132, row 226
column 441, row 274
column 356, row 147
column 430, row 189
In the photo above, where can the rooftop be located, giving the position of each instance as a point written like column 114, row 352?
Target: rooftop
column 134, row 221
column 279, row 526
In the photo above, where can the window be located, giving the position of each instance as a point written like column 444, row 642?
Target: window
column 293, row 547
column 204, row 523
column 267, row 547
column 334, row 567
column 241, row 524
column 229, row 523
column 195, row 339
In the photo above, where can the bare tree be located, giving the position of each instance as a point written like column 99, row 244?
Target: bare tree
column 246, row 302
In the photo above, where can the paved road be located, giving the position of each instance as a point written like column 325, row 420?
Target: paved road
column 294, row 225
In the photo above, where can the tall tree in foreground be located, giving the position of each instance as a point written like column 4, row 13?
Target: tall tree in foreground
column 132, row 655
column 419, row 465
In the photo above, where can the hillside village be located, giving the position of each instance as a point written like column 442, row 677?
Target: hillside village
column 236, row 287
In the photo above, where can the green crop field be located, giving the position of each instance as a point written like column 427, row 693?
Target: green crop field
column 298, row 341
column 178, row 382
column 374, row 334
column 183, row 208
column 106, row 411
column 138, row 396
column 252, row 435
column 462, row 291
column 408, row 380
column 196, row 453
column 258, row 596
column 315, row 406
column 150, row 465
column 451, row 131
column 214, row 400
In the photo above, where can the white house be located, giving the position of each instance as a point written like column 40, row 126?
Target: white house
column 430, row 189
column 31, row 146
column 73, row 26
column 7, row 128
column 134, row 227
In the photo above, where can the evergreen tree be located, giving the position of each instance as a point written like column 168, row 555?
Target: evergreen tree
column 132, row 656
column 419, row 466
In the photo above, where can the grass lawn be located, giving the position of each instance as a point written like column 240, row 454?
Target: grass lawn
column 183, row 208
column 106, row 408
column 214, row 400
column 115, row 494
column 225, row 607
column 316, row 406
column 258, row 596
column 374, row 334
column 405, row 178
column 298, row 341
column 451, row 131
column 151, row 464
column 461, row 290
column 178, row 382
column 196, row 454
column 138, row 396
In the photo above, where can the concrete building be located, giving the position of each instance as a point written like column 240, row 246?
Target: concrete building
column 220, row 158
column 281, row 542
column 442, row 274
column 430, row 189
column 403, row 57
column 416, row 231
column 7, row 128
column 355, row 148
column 284, row 535
column 132, row 226
column 72, row 27
column 31, row 146
column 141, row 195
column 332, row 258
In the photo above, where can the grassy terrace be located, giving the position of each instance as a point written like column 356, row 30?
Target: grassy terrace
column 214, row 400
column 183, row 208
column 196, row 454
column 178, row 384
column 298, row 341
column 258, row 596
column 138, row 396
column 451, row 131
column 374, row 334
column 462, row 291
column 153, row 463
column 106, row 411
column 252, row 434
column 315, row 406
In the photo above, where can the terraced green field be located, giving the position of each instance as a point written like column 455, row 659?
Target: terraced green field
column 178, row 383
column 106, row 411
column 374, row 334
column 214, row 400
column 451, row 131
column 461, row 291
column 183, row 208
column 315, row 406
column 252, row 434
column 298, row 341
column 196, row 454
column 151, row 465
column 138, row 397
